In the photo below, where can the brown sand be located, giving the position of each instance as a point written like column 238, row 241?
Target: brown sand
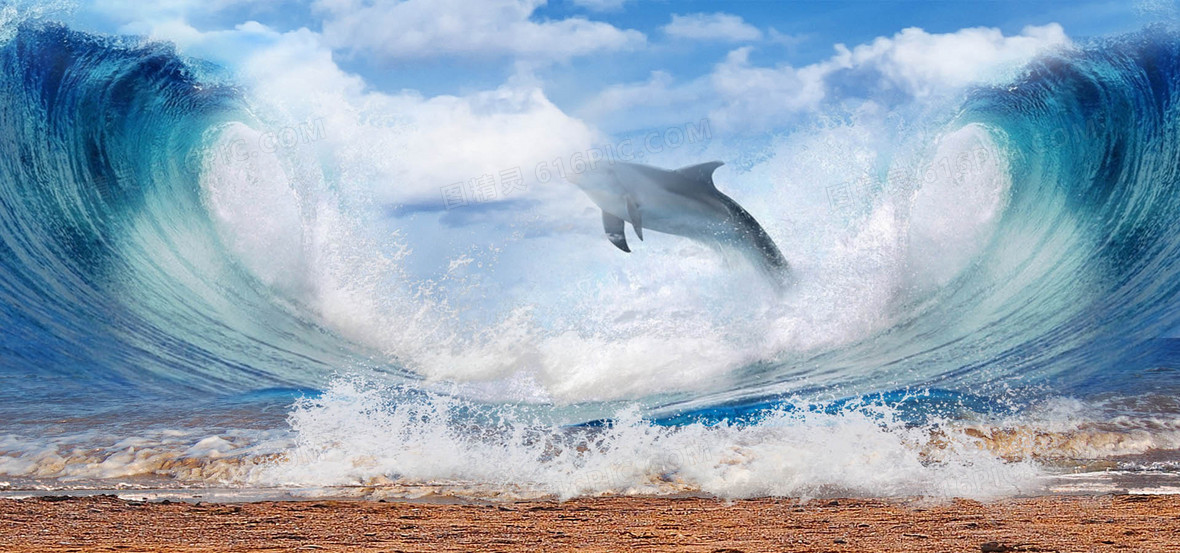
column 1104, row 523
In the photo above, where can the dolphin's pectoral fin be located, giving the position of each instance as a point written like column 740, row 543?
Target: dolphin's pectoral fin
column 636, row 218
column 614, row 231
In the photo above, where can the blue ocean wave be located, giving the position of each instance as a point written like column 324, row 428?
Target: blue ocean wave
column 113, row 275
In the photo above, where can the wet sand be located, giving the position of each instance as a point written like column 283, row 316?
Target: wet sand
column 1051, row 523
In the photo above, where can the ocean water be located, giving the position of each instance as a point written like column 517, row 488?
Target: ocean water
column 202, row 288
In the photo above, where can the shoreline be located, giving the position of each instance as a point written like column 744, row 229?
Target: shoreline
column 1041, row 523
column 1091, row 483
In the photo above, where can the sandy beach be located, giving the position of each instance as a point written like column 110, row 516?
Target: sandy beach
column 1051, row 523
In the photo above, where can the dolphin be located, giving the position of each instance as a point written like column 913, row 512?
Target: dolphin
column 684, row 202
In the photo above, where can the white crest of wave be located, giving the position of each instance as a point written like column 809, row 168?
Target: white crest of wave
column 360, row 435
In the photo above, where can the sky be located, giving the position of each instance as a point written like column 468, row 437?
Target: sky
column 415, row 96
column 578, row 51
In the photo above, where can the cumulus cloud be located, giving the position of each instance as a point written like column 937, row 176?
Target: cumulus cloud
column 921, row 62
column 750, row 92
column 656, row 101
column 712, row 26
column 653, row 91
column 601, row 5
column 398, row 29
column 912, row 63
column 773, row 36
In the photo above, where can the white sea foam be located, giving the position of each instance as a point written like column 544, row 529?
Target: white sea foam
column 568, row 319
column 367, row 440
column 356, row 435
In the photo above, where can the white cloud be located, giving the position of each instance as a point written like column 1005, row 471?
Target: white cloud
column 913, row 61
column 601, row 5
column 394, row 29
column 921, row 62
column 651, row 92
column 740, row 94
column 656, row 101
column 712, row 26
column 756, row 94
column 775, row 37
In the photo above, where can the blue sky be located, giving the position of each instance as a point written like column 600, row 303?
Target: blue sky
column 476, row 86
column 803, row 33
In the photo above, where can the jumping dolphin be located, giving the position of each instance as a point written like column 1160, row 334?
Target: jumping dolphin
column 683, row 202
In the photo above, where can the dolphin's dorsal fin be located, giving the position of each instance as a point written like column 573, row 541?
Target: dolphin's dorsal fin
column 614, row 231
column 701, row 173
